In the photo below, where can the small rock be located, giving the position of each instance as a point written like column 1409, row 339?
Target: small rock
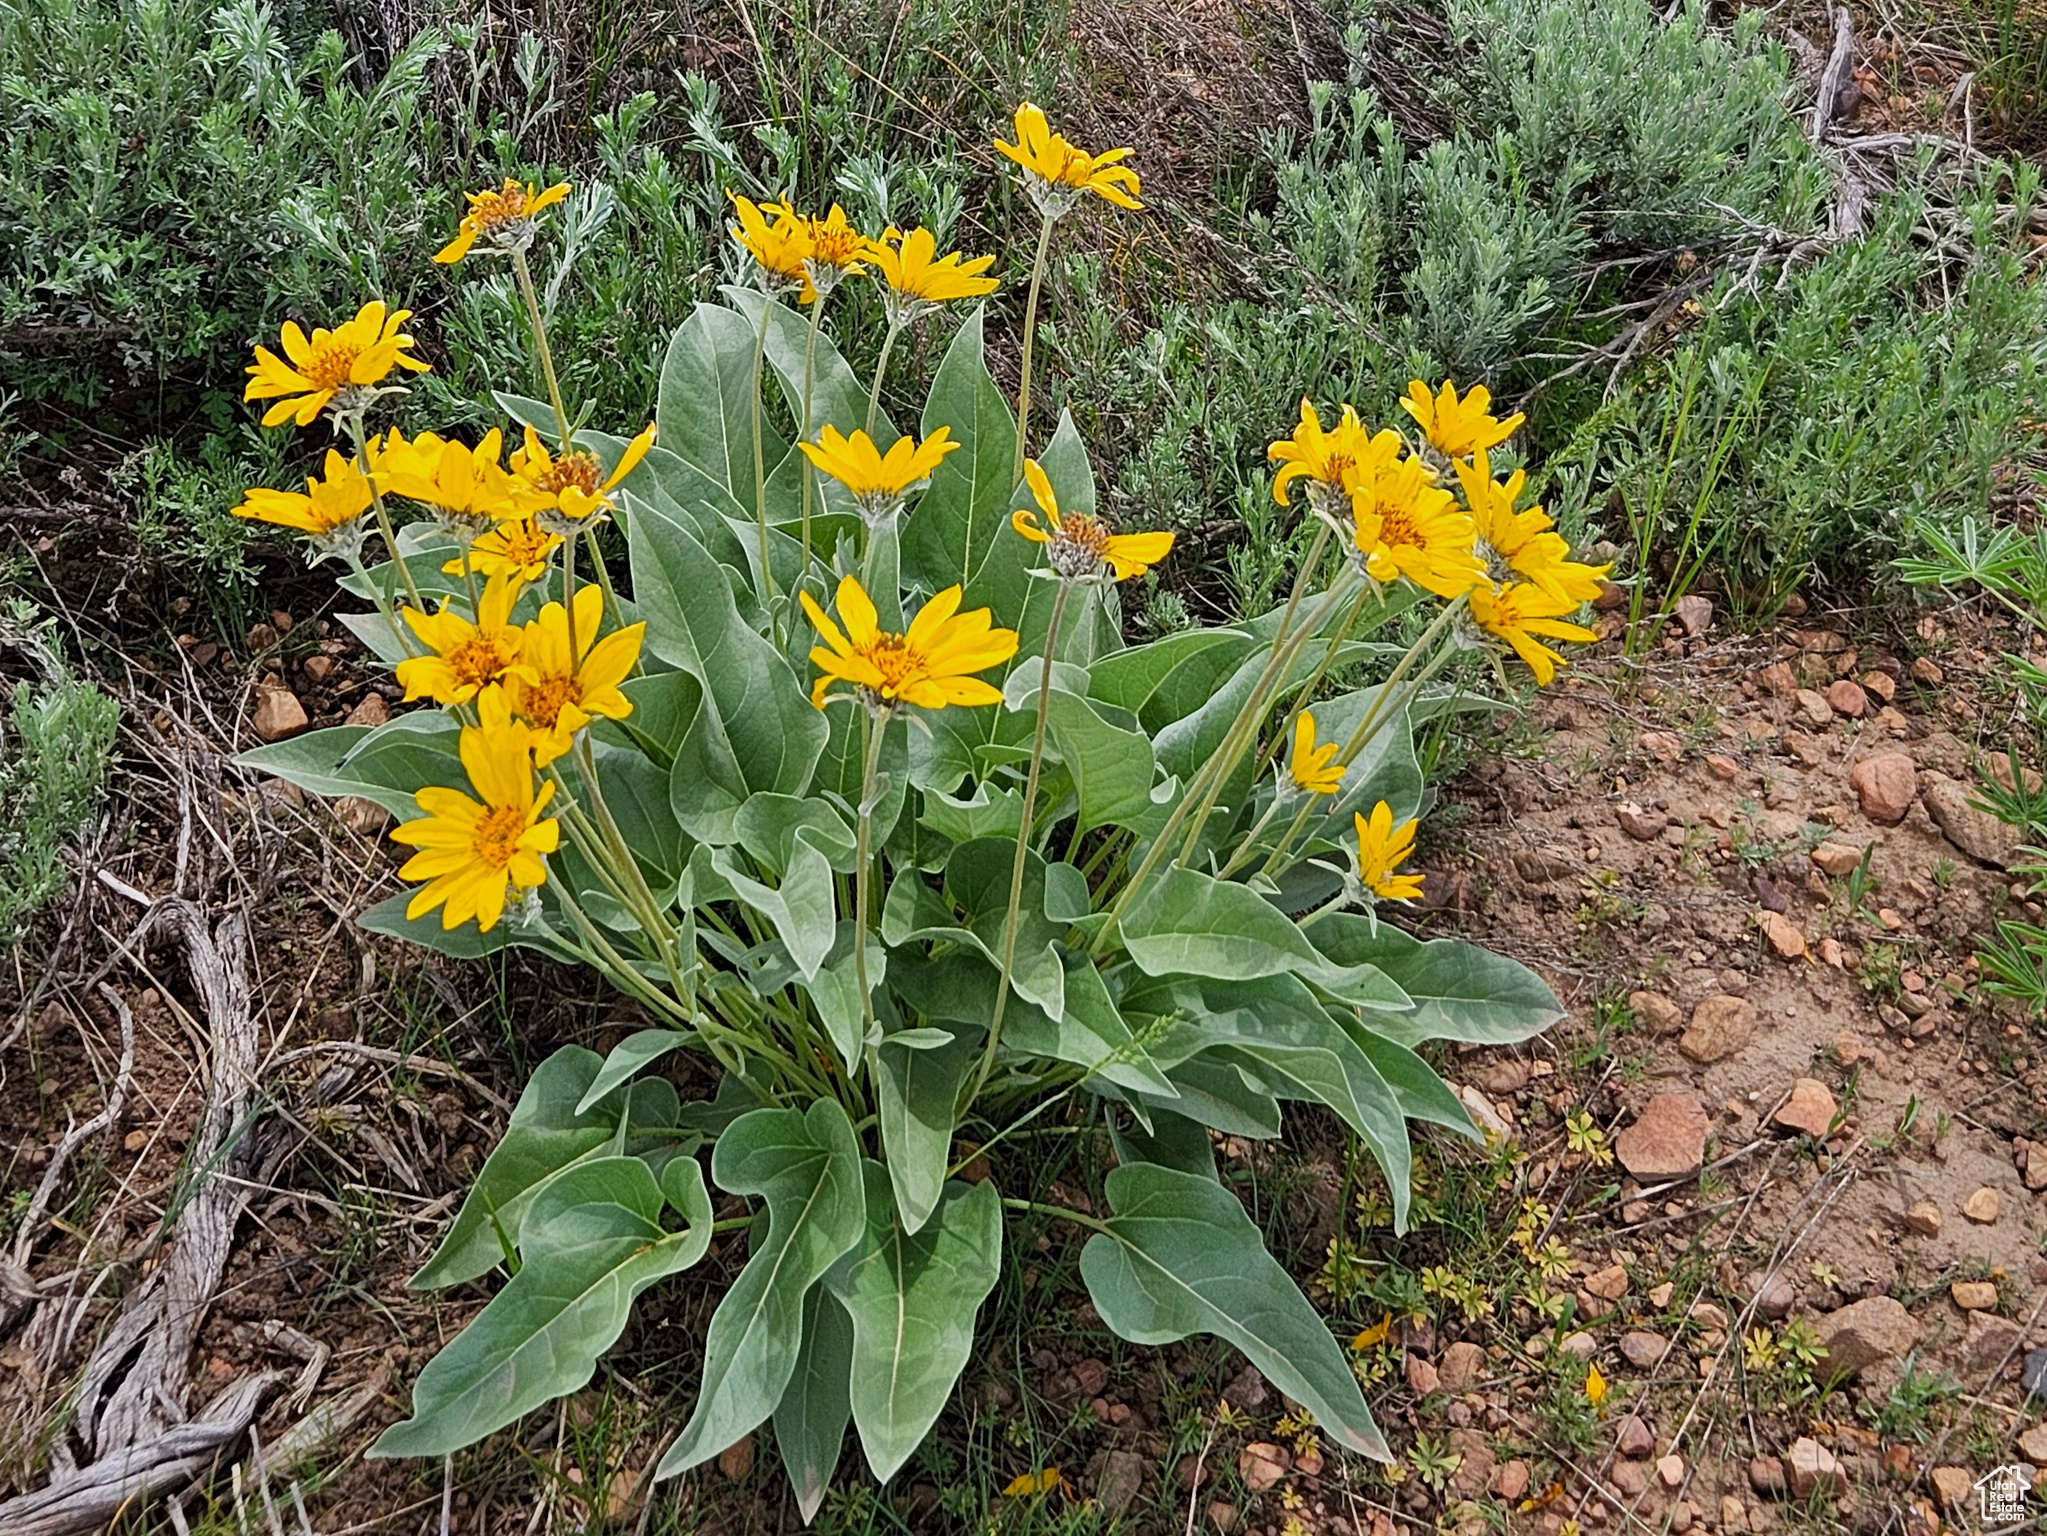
column 361, row 815
column 1721, row 1025
column 1642, row 1349
column 1664, row 746
column 1882, row 685
column 1659, row 1298
column 1119, row 1481
column 1694, row 612
column 1733, row 1517
column 736, row 1460
column 1864, row 1332
column 1655, row 1010
column 1510, row 1482
column 1974, row 1295
column 1814, row 707
column 279, row 713
column 1462, row 1367
column 1848, row 699
column 1609, row 1284
column 1483, row 1114
column 1992, row 1341
column 1634, row 1438
column 2033, row 1377
column 372, row 711
column 1837, row 859
column 1721, row 766
column 1506, row 1076
column 1886, row 784
column 1247, row 1389
column 1924, row 1218
column 1670, row 1471
column 1612, row 596
column 1810, row 1110
column 2033, row 1445
column 1983, row 1206
column 1926, row 670
column 1775, row 1296
column 1628, row 1479
column 1766, row 1475
column 1422, row 1377
column 1977, row 833
column 1811, row 1467
column 1092, row 1375
column 1476, row 1464
column 1579, row 1344
column 1643, row 826
column 316, row 668
column 1783, row 934
column 1668, row 1139
column 1952, row 1484
column 1261, row 1464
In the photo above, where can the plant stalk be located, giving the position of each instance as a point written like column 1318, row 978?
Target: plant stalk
column 1023, row 388
column 541, row 350
column 803, row 427
column 888, row 342
column 760, row 470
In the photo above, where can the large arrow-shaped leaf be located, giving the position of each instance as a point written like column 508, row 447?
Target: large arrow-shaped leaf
column 810, row 1421
column 913, row 1301
column 591, row 1242
column 1180, row 1256
column 1460, row 991
column 806, row 1167
column 916, row 1092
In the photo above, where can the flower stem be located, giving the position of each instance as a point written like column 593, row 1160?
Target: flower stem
column 873, row 729
column 888, row 342
column 803, row 428
column 1023, row 388
column 760, row 470
column 384, row 530
column 541, row 349
column 1011, row 920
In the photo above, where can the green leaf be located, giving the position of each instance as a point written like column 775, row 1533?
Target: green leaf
column 756, row 729
column 1184, row 923
column 810, row 1421
column 1173, row 1141
column 1089, row 1033
column 591, row 1242
column 912, row 1298
column 1180, row 1257
column 1216, row 1093
column 1422, row 1094
column 988, row 812
column 804, row 909
column 707, row 400
column 836, row 991
column 836, row 394
column 1112, row 766
column 630, row 1057
column 549, row 1129
column 959, row 530
column 1460, row 991
column 465, row 942
column 917, row 1093
column 387, row 765
column 1168, row 678
column 806, row 1167
column 768, row 825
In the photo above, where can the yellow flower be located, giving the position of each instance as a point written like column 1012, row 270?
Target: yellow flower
column 574, row 483
column 502, row 218
column 466, row 487
column 780, row 249
column 470, row 852
column 520, row 548
column 836, row 249
column 1056, row 173
column 1376, row 1334
column 1383, row 848
column 1031, row 1484
column 329, row 511
column 917, row 279
column 878, row 480
column 1405, row 525
column 559, row 690
column 1595, row 1386
column 1522, row 541
column 1518, row 613
column 1311, row 768
column 1078, row 545
column 344, row 365
column 930, row 665
column 466, row 658
column 1331, row 461
column 1458, row 427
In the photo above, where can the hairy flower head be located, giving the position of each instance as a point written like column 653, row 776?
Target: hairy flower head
column 466, row 658
column 1078, row 545
column 930, row 665
column 329, row 511
column 1311, row 768
column 1057, row 173
column 560, row 686
column 338, row 369
column 1383, row 848
column 1457, row 427
column 502, row 218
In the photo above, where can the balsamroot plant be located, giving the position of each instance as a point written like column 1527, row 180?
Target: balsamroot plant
column 859, row 793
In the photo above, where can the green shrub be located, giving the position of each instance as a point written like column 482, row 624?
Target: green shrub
column 55, row 747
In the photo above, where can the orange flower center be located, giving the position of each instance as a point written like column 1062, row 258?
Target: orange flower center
column 895, row 661
column 545, row 700
column 524, row 544
column 1395, row 527
column 332, row 362
column 497, row 835
column 477, row 662
column 834, row 246
column 493, row 210
column 572, row 471
column 1079, row 167
column 1085, row 534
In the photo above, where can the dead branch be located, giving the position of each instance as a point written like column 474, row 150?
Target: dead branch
column 78, row 1135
